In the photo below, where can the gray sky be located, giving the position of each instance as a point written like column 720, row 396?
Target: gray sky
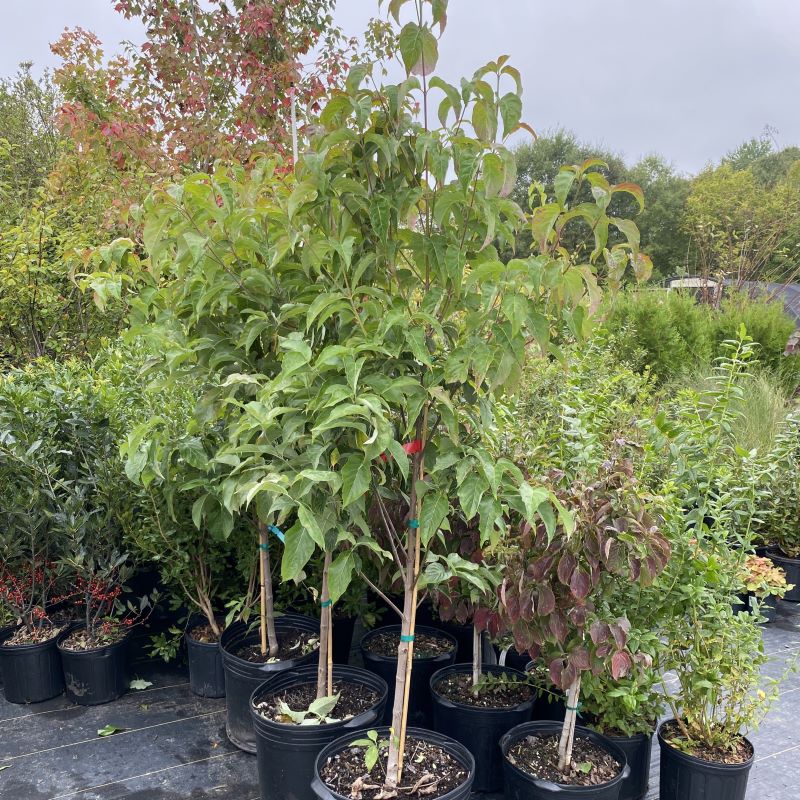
column 690, row 79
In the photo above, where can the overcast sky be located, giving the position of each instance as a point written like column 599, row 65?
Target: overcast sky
column 690, row 79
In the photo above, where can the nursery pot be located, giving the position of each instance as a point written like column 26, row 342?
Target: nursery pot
column 685, row 777
column 450, row 746
column 520, row 785
column 791, row 566
column 94, row 676
column 243, row 677
column 206, row 675
column 419, row 704
column 286, row 753
column 637, row 753
column 478, row 729
column 343, row 629
column 31, row 672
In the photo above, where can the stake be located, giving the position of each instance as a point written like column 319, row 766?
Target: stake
column 324, row 664
column 477, row 655
column 568, row 731
column 294, row 121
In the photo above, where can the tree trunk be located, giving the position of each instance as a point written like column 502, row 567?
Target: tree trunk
column 269, row 639
column 477, row 656
column 568, row 731
column 325, row 668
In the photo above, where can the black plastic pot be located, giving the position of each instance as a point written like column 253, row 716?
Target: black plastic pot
column 243, row 677
column 791, row 566
column 637, row 751
column 286, row 753
column 419, row 704
column 520, row 785
column 343, row 639
column 684, row 777
column 206, row 674
column 455, row 749
column 31, row 672
column 96, row 676
column 478, row 729
column 767, row 606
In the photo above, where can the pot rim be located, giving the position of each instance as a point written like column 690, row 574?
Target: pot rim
column 701, row 761
column 337, row 745
column 517, row 732
column 417, row 659
column 456, row 669
column 92, row 650
column 194, row 621
column 241, row 636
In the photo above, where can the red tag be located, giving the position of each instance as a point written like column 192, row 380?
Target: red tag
column 412, row 447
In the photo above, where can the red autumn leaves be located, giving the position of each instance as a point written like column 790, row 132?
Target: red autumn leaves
column 558, row 593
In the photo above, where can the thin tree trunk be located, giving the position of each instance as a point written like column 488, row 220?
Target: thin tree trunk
column 269, row 639
column 568, row 731
column 405, row 650
column 477, row 656
column 325, row 668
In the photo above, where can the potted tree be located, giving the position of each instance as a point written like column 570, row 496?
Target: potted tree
column 558, row 597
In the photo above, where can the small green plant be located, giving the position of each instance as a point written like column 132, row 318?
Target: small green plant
column 490, row 683
column 372, row 748
column 318, row 712
column 763, row 579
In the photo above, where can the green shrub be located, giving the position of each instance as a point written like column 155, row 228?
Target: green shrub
column 674, row 336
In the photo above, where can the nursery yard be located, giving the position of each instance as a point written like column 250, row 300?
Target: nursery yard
column 174, row 746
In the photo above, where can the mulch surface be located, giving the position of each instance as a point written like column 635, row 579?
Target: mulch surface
column 428, row 772
column 354, row 699
column 204, row 634
column 497, row 693
column 425, row 645
column 81, row 640
column 34, row 635
column 538, row 756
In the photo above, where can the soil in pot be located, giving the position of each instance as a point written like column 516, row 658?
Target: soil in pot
column 291, row 645
column 702, row 773
column 497, row 693
column 206, row 674
column 479, row 719
column 429, row 771
column 426, row 645
column 30, row 665
column 432, row 650
column 538, row 756
column 354, row 699
column 95, row 664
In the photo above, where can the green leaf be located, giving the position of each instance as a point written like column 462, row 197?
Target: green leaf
column 563, row 183
column 470, row 493
column 298, row 549
column 323, row 706
column 435, row 508
column 532, row 498
column 510, row 112
column 355, row 479
column 493, row 174
column 303, row 193
column 138, row 684
column 308, row 520
column 419, row 49
column 340, row 574
column 109, row 730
